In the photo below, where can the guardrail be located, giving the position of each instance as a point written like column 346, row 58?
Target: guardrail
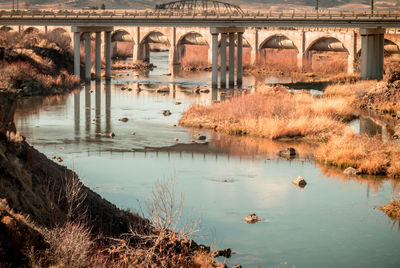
column 154, row 14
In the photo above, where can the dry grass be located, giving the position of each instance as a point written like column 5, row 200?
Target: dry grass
column 329, row 63
column 272, row 113
column 383, row 96
column 274, row 60
column 196, row 56
column 368, row 154
column 392, row 209
column 33, row 80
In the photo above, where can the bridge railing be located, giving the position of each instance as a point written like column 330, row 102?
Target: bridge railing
column 247, row 14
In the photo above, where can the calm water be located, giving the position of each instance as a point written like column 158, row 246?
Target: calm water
column 332, row 222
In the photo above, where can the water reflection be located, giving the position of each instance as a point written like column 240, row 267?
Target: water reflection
column 77, row 113
column 108, row 107
column 98, row 108
column 87, row 109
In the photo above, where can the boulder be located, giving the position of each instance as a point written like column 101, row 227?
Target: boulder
column 299, row 181
column 123, row 119
column 166, row 113
column 252, row 218
column 288, row 152
column 227, row 253
column 177, row 103
column 111, row 135
column 199, row 137
column 350, row 171
column 59, row 159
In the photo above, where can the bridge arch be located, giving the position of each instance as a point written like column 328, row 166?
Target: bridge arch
column 151, row 37
column 31, row 30
column 122, row 44
column 59, row 30
column 192, row 44
column 328, row 53
column 279, row 51
column 6, row 29
column 278, row 41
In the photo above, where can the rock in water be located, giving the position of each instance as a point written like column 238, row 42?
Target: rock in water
column 199, row 137
column 288, row 152
column 299, row 181
column 123, row 119
column 227, row 253
column 350, row 171
column 111, row 135
column 252, row 218
column 166, row 113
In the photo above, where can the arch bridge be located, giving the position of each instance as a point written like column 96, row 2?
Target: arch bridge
column 217, row 25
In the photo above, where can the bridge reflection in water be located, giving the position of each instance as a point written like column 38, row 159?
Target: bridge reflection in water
column 174, row 91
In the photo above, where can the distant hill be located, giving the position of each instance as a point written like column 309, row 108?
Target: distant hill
column 245, row 4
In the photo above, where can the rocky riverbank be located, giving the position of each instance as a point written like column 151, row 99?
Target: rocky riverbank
column 49, row 218
column 36, row 64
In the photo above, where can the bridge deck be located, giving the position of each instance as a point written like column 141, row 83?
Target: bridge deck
column 348, row 19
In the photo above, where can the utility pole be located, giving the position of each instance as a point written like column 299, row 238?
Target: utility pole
column 317, row 5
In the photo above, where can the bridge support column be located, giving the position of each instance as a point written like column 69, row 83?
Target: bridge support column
column 107, row 54
column 351, row 59
column 87, row 30
column 214, row 47
column 254, row 48
column 231, row 59
column 98, row 56
column 239, row 59
column 88, row 63
column 77, row 54
column 231, row 31
column 223, row 60
column 372, row 42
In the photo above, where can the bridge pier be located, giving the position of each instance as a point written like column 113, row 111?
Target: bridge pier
column 87, row 30
column 77, row 54
column 239, row 60
column 372, row 42
column 98, row 56
column 107, row 54
column 214, row 47
column 231, row 32
column 231, row 59
column 88, row 63
column 223, row 60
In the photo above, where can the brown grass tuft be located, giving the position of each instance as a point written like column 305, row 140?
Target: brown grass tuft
column 369, row 154
column 273, row 113
column 392, row 209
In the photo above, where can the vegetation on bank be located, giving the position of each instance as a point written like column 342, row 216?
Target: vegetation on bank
column 382, row 97
column 68, row 225
column 370, row 155
column 36, row 63
column 274, row 113
column 392, row 209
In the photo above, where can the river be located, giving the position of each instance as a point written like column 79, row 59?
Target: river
column 332, row 222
